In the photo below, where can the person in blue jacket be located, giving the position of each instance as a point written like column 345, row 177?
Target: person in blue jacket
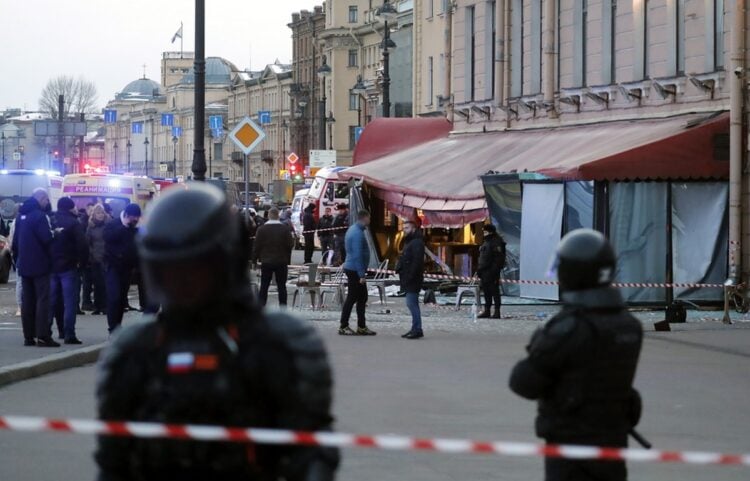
column 31, row 251
column 355, row 268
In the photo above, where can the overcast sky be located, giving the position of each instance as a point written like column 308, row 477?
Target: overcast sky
column 109, row 41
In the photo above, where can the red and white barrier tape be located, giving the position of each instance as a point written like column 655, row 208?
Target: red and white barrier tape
column 344, row 440
column 554, row 283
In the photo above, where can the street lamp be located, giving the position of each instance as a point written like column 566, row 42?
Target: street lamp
column 359, row 89
column 387, row 13
column 128, row 146
column 115, row 147
column 324, row 71
column 145, row 145
column 330, row 120
column 174, row 155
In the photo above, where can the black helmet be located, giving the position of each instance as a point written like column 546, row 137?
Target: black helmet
column 585, row 259
column 192, row 246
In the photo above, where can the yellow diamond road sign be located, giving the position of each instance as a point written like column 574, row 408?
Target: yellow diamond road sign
column 247, row 135
column 292, row 158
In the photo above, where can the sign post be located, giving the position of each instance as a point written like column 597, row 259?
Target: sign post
column 247, row 135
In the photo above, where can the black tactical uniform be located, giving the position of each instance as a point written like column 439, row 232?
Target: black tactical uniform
column 581, row 365
column 491, row 264
column 210, row 357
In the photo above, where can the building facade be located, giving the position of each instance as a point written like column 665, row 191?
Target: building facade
column 265, row 97
column 352, row 46
column 155, row 128
column 307, row 124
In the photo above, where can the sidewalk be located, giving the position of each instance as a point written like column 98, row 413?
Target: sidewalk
column 18, row 362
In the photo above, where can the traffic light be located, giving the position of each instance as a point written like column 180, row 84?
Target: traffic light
column 293, row 169
column 56, row 153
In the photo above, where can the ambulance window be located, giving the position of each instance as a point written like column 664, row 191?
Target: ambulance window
column 342, row 190
column 329, row 192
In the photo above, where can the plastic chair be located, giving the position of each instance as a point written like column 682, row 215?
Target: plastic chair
column 379, row 281
column 470, row 288
column 303, row 286
column 336, row 287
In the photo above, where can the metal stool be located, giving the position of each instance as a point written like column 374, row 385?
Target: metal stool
column 470, row 288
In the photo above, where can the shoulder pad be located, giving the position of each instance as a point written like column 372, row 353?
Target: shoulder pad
column 132, row 338
column 297, row 335
column 562, row 324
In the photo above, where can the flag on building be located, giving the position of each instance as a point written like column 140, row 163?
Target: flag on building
column 177, row 34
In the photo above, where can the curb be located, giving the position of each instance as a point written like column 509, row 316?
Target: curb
column 49, row 364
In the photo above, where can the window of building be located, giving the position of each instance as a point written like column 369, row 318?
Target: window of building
column 536, row 46
column 718, row 40
column 443, row 6
column 609, row 42
column 353, row 58
column 470, row 53
column 430, row 80
column 676, row 12
column 429, row 8
column 516, row 53
column 490, row 49
column 353, row 100
column 352, row 14
column 352, row 136
column 580, row 40
column 640, row 16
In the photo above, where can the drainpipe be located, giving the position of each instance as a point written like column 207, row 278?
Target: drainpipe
column 549, row 54
column 447, row 91
column 500, row 51
column 737, row 82
column 506, row 42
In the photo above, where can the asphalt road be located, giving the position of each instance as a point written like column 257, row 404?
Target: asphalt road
column 452, row 384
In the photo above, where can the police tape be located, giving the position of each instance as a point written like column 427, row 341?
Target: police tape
column 386, row 442
column 475, row 280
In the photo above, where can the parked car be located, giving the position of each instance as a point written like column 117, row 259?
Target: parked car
column 5, row 260
column 265, row 201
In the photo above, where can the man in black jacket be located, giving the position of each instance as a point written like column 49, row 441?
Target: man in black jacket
column 210, row 357
column 580, row 366
column 308, row 228
column 410, row 268
column 69, row 254
column 121, row 258
column 491, row 264
column 273, row 249
column 31, row 251
column 341, row 224
column 325, row 236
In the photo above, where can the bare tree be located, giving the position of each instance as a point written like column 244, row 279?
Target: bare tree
column 80, row 95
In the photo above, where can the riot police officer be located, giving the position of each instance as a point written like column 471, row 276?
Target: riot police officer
column 581, row 364
column 211, row 356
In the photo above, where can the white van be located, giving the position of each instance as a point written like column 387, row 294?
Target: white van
column 297, row 205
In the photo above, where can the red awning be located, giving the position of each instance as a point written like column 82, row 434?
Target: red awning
column 446, row 170
column 385, row 136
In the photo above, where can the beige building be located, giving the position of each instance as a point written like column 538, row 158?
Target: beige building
column 351, row 43
column 432, row 56
column 139, row 143
column 306, row 129
column 265, row 97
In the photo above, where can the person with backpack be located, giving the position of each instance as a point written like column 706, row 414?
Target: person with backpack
column 491, row 265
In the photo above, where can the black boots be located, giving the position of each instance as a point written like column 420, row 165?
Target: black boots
column 486, row 314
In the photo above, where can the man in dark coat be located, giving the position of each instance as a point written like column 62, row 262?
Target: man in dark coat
column 69, row 254
column 325, row 236
column 308, row 229
column 273, row 249
column 341, row 224
column 581, row 364
column 491, row 264
column 31, row 251
column 410, row 268
column 121, row 258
